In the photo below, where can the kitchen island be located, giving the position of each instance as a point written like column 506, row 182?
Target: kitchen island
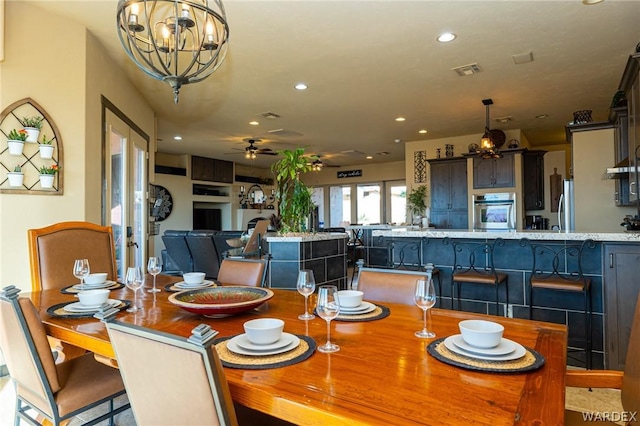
column 612, row 264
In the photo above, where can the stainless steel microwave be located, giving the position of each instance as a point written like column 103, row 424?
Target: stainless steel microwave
column 494, row 211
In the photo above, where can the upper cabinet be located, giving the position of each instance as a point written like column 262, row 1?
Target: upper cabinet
column 211, row 169
column 494, row 172
column 533, row 179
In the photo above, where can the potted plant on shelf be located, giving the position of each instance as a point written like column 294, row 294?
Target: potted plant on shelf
column 46, row 147
column 292, row 195
column 15, row 141
column 47, row 174
column 16, row 177
column 32, row 125
column 416, row 204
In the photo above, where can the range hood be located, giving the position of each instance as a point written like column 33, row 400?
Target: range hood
column 620, row 169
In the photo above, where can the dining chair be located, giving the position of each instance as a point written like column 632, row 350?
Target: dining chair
column 628, row 381
column 54, row 248
column 249, row 272
column 389, row 285
column 172, row 380
column 56, row 392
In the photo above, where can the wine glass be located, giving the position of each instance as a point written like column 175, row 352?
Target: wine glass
column 154, row 267
column 328, row 307
column 306, row 285
column 134, row 280
column 81, row 270
column 425, row 298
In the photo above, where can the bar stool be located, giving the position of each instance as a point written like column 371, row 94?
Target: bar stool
column 558, row 267
column 473, row 264
column 404, row 247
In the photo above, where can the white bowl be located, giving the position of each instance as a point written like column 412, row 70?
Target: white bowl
column 97, row 278
column 264, row 331
column 350, row 298
column 193, row 277
column 480, row 333
column 93, row 297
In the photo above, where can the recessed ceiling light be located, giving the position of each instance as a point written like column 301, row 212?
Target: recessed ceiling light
column 177, row 138
column 301, row 86
column 422, row 131
column 541, row 116
column 400, row 119
column 254, row 123
column 369, row 157
column 446, row 37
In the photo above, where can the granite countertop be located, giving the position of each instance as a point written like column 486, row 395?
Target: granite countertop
column 511, row 235
column 301, row 237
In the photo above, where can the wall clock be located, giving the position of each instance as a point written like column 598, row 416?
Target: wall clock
column 164, row 204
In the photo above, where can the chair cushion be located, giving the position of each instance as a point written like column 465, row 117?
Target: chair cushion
column 479, row 278
column 555, row 282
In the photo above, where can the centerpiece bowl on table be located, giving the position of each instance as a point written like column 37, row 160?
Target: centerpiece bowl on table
column 218, row 302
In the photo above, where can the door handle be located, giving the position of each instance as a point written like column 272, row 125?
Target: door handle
column 132, row 244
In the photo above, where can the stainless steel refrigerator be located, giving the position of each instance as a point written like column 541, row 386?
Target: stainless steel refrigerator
column 566, row 210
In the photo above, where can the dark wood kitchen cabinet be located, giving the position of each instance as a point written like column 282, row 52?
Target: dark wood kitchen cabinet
column 494, row 172
column 533, row 179
column 621, row 270
column 211, row 169
column 449, row 193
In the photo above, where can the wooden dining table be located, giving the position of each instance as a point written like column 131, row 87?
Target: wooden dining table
column 382, row 374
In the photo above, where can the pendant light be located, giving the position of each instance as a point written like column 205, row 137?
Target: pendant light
column 487, row 144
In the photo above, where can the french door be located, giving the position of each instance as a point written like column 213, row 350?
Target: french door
column 125, row 192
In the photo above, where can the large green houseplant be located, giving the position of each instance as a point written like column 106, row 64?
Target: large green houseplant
column 416, row 204
column 292, row 195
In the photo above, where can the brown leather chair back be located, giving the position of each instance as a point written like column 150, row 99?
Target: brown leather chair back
column 253, row 247
column 386, row 285
column 26, row 350
column 249, row 272
column 53, row 249
column 194, row 390
column 631, row 380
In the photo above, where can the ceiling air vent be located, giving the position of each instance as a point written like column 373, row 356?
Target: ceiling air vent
column 269, row 115
column 284, row 133
column 465, row 70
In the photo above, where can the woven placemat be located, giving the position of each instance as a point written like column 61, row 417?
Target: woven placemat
column 71, row 290
column 378, row 313
column 305, row 349
column 58, row 310
column 172, row 287
column 532, row 360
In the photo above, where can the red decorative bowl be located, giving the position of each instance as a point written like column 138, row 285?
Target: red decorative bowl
column 217, row 302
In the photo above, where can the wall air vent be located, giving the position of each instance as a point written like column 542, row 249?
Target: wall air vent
column 465, row 70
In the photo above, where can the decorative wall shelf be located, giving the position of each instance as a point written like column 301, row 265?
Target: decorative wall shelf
column 30, row 160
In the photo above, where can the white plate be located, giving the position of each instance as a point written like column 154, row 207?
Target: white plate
column 77, row 307
column 233, row 347
column 505, row 346
column 366, row 310
column 519, row 352
column 186, row 286
column 94, row 286
column 243, row 341
column 364, row 306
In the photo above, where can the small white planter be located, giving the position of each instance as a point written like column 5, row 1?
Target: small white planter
column 15, row 178
column 32, row 134
column 46, row 181
column 15, row 147
column 46, row 151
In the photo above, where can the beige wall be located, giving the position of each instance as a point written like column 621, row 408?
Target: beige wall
column 594, row 206
column 370, row 173
column 57, row 77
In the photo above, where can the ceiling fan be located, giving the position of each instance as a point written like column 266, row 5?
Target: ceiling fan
column 318, row 164
column 252, row 151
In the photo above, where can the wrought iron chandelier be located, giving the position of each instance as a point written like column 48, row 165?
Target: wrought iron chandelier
column 177, row 41
column 488, row 147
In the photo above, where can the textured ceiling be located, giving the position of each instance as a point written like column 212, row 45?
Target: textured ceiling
column 367, row 62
